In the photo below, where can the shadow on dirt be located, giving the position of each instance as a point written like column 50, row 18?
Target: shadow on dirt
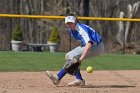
column 101, row 86
column 106, row 86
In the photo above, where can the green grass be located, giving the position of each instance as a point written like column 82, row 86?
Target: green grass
column 41, row 61
column 115, row 62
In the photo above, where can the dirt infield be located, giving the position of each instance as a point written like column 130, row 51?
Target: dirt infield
column 124, row 81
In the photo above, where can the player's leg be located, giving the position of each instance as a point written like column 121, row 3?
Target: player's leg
column 70, row 55
column 54, row 78
column 79, row 81
column 96, row 50
column 77, row 52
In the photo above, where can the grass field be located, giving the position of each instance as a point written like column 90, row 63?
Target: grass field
column 41, row 61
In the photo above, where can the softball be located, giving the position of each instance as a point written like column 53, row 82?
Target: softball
column 89, row 69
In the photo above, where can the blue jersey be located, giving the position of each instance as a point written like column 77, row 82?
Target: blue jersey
column 85, row 34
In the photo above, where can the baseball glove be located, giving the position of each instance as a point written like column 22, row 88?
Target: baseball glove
column 72, row 66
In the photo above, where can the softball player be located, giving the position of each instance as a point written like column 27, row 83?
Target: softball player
column 92, row 46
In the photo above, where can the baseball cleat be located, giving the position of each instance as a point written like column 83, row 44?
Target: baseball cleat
column 54, row 78
column 77, row 82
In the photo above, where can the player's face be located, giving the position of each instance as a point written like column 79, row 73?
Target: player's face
column 71, row 25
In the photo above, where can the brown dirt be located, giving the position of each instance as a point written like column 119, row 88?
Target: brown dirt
column 125, row 81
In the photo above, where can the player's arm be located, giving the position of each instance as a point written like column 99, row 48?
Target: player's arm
column 86, row 49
